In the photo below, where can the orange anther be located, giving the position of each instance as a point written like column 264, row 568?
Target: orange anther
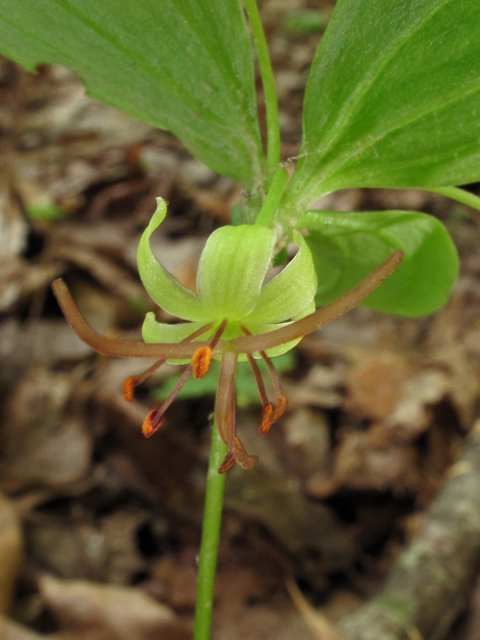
column 279, row 409
column 201, row 361
column 151, row 424
column 128, row 387
column 266, row 420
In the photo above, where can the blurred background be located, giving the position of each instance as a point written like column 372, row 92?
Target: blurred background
column 100, row 528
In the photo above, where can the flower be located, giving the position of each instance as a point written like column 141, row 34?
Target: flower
column 234, row 316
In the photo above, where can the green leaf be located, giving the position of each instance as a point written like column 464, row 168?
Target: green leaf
column 181, row 65
column 393, row 99
column 348, row 246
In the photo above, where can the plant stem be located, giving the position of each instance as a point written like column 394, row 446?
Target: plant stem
column 460, row 195
column 274, row 195
column 268, row 81
column 212, row 518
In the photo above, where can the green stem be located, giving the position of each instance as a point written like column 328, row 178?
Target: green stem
column 212, row 518
column 460, row 195
column 268, row 81
column 274, row 195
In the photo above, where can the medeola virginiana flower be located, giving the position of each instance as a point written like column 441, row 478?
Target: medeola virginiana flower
column 233, row 316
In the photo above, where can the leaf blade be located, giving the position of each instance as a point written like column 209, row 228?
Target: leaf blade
column 347, row 246
column 181, row 65
column 392, row 100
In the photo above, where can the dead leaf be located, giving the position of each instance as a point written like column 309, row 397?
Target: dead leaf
column 174, row 578
column 464, row 387
column 412, row 415
column 104, row 270
column 87, row 611
column 69, row 549
column 19, row 279
column 41, row 442
column 320, row 388
column 311, row 532
column 376, row 385
column 318, row 623
column 119, row 530
column 10, row 630
column 307, row 434
column 361, row 464
column 13, row 227
column 45, row 341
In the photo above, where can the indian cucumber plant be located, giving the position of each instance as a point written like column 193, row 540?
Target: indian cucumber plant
column 392, row 101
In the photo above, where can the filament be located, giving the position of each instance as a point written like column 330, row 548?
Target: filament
column 258, row 379
column 154, row 418
column 225, row 402
column 131, row 382
column 270, row 414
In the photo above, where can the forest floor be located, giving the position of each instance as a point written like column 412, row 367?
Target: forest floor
column 100, row 528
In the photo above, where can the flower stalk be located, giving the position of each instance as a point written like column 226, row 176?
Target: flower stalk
column 212, row 518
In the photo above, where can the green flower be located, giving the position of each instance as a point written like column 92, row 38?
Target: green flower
column 234, row 315
column 230, row 285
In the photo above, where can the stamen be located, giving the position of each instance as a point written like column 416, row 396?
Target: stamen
column 266, row 420
column 203, row 356
column 226, row 419
column 230, row 457
column 225, row 405
column 270, row 415
column 258, row 379
column 151, row 424
column 131, row 382
column 129, row 385
column 201, row 362
column 275, row 378
column 280, row 409
column 153, row 421
column 198, row 332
